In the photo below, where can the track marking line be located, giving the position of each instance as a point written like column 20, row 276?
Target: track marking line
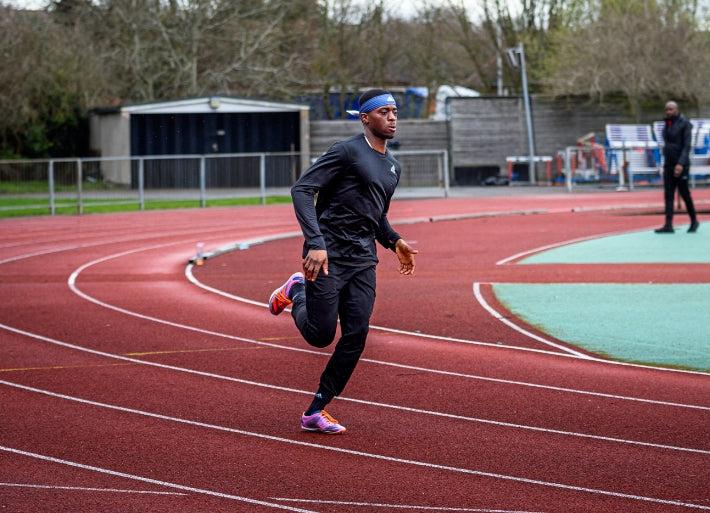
column 65, row 367
column 86, row 489
column 143, row 479
column 240, row 299
column 341, row 450
column 199, row 234
column 361, row 401
column 377, row 362
column 292, row 234
column 484, row 304
column 546, row 247
column 196, row 350
column 399, row 506
column 72, row 285
column 479, row 297
column 567, row 351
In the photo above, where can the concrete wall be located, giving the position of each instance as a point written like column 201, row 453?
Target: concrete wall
column 411, row 134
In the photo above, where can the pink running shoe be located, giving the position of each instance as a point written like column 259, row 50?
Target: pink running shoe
column 321, row 422
column 280, row 297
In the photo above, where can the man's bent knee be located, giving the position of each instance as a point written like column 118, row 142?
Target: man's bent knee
column 319, row 337
column 319, row 340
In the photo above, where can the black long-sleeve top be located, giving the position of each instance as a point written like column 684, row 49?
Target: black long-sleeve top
column 342, row 200
column 677, row 139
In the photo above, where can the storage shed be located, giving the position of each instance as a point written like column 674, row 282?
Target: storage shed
column 199, row 126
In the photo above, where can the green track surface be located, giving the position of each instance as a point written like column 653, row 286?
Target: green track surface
column 657, row 324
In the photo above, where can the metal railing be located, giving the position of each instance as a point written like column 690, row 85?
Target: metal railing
column 626, row 166
column 51, row 185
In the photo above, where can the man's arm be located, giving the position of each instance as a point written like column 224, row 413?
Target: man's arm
column 304, row 191
column 686, row 137
column 385, row 234
column 686, row 142
column 303, row 194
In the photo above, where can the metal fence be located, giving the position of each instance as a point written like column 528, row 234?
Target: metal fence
column 625, row 167
column 57, row 186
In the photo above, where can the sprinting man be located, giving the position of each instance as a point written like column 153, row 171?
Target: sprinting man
column 341, row 203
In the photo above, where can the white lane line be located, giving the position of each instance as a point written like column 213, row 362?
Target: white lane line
column 479, row 297
column 421, row 369
column 567, row 351
column 358, row 401
column 191, row 277
column 196, row 234
column 399, row 506
column 546, row 247
column 194, row 280
column 73, row 247
column 86, row 489
column 72, row 285
column 291, row 234
column 76, row 290
column 380, row 457
column 143, row 479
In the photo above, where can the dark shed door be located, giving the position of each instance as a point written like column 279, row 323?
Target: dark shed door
column 189, row 134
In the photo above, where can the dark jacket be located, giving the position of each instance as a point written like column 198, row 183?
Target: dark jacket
column 677, row 138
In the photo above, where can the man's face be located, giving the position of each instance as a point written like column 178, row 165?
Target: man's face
column 671, row 110
column 382, row 121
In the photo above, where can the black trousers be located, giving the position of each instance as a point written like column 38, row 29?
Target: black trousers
column 347, row 292
column 670, row 184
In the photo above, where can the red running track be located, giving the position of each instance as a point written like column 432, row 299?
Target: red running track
column 128, row 387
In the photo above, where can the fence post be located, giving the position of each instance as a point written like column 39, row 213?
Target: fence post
column 262, row 177
column 568, row 168
column 79, row 183
column 622, row 169
column 445, row 161
column 141, row 184
column 50, row 177
column 203, row 201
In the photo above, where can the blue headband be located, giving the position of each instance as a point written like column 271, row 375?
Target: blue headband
column 377, row 102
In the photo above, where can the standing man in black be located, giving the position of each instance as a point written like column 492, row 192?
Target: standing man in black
column 341, row 203
column 677, row 138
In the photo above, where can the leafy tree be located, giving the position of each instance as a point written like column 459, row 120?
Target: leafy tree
column 46, row 82
column 57, row 63
column 640, row 49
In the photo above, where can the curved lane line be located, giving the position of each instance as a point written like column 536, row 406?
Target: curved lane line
column 547, row 247
column 143, row 479
column 479, row 297
column 75, row 289
column 567, row 352
column 196, row 282
column 340, row 450
column 393, row 406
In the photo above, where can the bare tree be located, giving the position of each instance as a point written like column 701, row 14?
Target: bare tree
column 57, row 63
column 194, row 47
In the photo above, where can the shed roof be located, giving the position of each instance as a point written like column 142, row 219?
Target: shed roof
column 209, row 104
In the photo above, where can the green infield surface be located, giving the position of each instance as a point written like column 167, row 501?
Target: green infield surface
column 651, row 323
